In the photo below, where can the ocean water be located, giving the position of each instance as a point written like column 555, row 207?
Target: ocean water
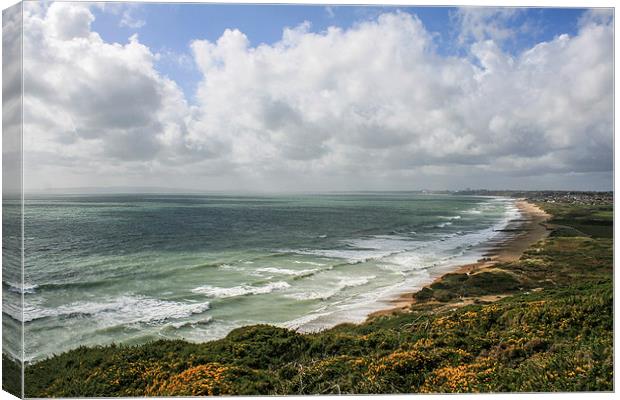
column 133, row 268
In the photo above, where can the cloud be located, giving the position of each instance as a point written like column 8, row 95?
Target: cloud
column 68, row 22
column 600, row 16
column 130, row 21
column 380, row 89
column 12, row 32
column 372, row 106
column 486, row 23
column 126, row 12
column 93, row 102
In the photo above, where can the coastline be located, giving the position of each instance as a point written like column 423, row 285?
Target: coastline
column 554, row 323
column 356, row 310
column 531, row 229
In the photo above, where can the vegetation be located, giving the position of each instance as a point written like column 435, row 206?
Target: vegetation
column 551, row 330
column 11, row 376
column 593, row 220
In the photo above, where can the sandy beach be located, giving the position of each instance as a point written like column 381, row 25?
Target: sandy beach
column 529, row 229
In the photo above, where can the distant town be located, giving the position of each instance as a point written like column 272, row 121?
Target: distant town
column 547, row 196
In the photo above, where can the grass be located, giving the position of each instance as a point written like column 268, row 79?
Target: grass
column 553, row 331
column 593, row 220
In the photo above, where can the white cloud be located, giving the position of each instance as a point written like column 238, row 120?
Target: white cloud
column 130, row 21
column 93, row 102
column 485, row 23
column 127, row 13
column 373, row 106
column 66, row 23
column 380, row 93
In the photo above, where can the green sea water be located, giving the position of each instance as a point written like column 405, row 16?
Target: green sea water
column 133, row 268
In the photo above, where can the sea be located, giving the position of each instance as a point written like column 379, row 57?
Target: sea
column 102, row 269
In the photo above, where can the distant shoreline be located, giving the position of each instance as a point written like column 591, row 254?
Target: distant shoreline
column 530, row 231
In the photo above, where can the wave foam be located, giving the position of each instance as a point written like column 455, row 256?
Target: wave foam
column 474, row 211
column 285, row 271
column 121, row 310
column 366, row 249
column 450, row 218
column 342, row 284
column 316, row 264
column 228, row 267
column 191, row 324
column 351, row 256
column 352, row 282
column 242, row 290
column 26, row 288
column 301, row 321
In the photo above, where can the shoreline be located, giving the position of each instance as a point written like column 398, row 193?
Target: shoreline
column 510, row 242
column 554, row 322
column 531, row 229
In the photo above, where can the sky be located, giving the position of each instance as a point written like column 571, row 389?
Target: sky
column 315, row 98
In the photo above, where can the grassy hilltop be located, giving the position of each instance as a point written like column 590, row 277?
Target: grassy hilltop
column 552, row 330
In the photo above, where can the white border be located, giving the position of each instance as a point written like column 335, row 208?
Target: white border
column 506, row 3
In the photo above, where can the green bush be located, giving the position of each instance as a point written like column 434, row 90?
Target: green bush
column 11, row 375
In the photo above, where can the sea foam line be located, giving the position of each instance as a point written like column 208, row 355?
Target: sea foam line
column 435, row 254
column 286, row 271
column 241, row 290
column 125, row 309
column 343, row 283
